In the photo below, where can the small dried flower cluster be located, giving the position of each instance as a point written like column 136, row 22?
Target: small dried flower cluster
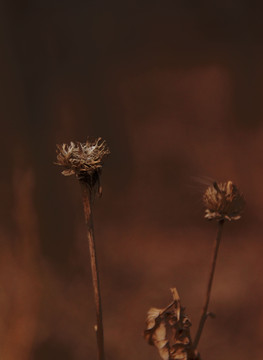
column 223, row 201
column 169, row 331
column 83, row 159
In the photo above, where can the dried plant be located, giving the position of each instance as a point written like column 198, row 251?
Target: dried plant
column 85, row 160
column 223, row 201
column 168, row 330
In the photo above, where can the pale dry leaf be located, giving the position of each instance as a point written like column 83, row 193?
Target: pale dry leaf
column 161, row 342
column 168, row 330
column 152, row 314
column 179, row 354
column 176, row 298
column 175, row 294
column 155, row 332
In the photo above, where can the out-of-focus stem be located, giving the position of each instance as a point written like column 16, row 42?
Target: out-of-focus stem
column 87, row 203
column 205, row 313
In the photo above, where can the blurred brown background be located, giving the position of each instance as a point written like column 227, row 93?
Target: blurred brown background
column 176, row 89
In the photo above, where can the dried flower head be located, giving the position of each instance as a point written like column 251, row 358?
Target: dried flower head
column 85, row 160
column 223, row 201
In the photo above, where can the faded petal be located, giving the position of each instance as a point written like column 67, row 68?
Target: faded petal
column 68, row 172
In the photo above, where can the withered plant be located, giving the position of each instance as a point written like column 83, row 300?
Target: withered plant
column 168, row 329
column 85, row 160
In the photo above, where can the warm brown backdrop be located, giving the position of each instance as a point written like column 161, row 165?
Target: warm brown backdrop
column 176, row 89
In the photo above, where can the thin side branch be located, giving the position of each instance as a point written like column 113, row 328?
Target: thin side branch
column 205, row 313
column 87, row 203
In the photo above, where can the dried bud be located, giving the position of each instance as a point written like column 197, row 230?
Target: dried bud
column 223, row 201
column 83, row 159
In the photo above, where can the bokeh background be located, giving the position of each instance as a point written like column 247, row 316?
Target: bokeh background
column 176, row 89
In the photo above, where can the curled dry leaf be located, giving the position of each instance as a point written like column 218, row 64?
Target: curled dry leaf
column 168, row 330
column 155, row 333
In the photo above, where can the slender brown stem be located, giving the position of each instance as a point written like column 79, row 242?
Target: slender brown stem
column 87, row 203
column 209, row 285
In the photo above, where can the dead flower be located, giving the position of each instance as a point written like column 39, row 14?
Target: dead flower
column 83, row 159
column 169, row 330
column 223, row 201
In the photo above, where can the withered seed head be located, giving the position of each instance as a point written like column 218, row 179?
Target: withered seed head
column 223, row 201
column 85, row 160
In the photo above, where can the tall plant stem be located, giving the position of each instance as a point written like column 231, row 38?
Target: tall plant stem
column 87, row 203
column 205, row 313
